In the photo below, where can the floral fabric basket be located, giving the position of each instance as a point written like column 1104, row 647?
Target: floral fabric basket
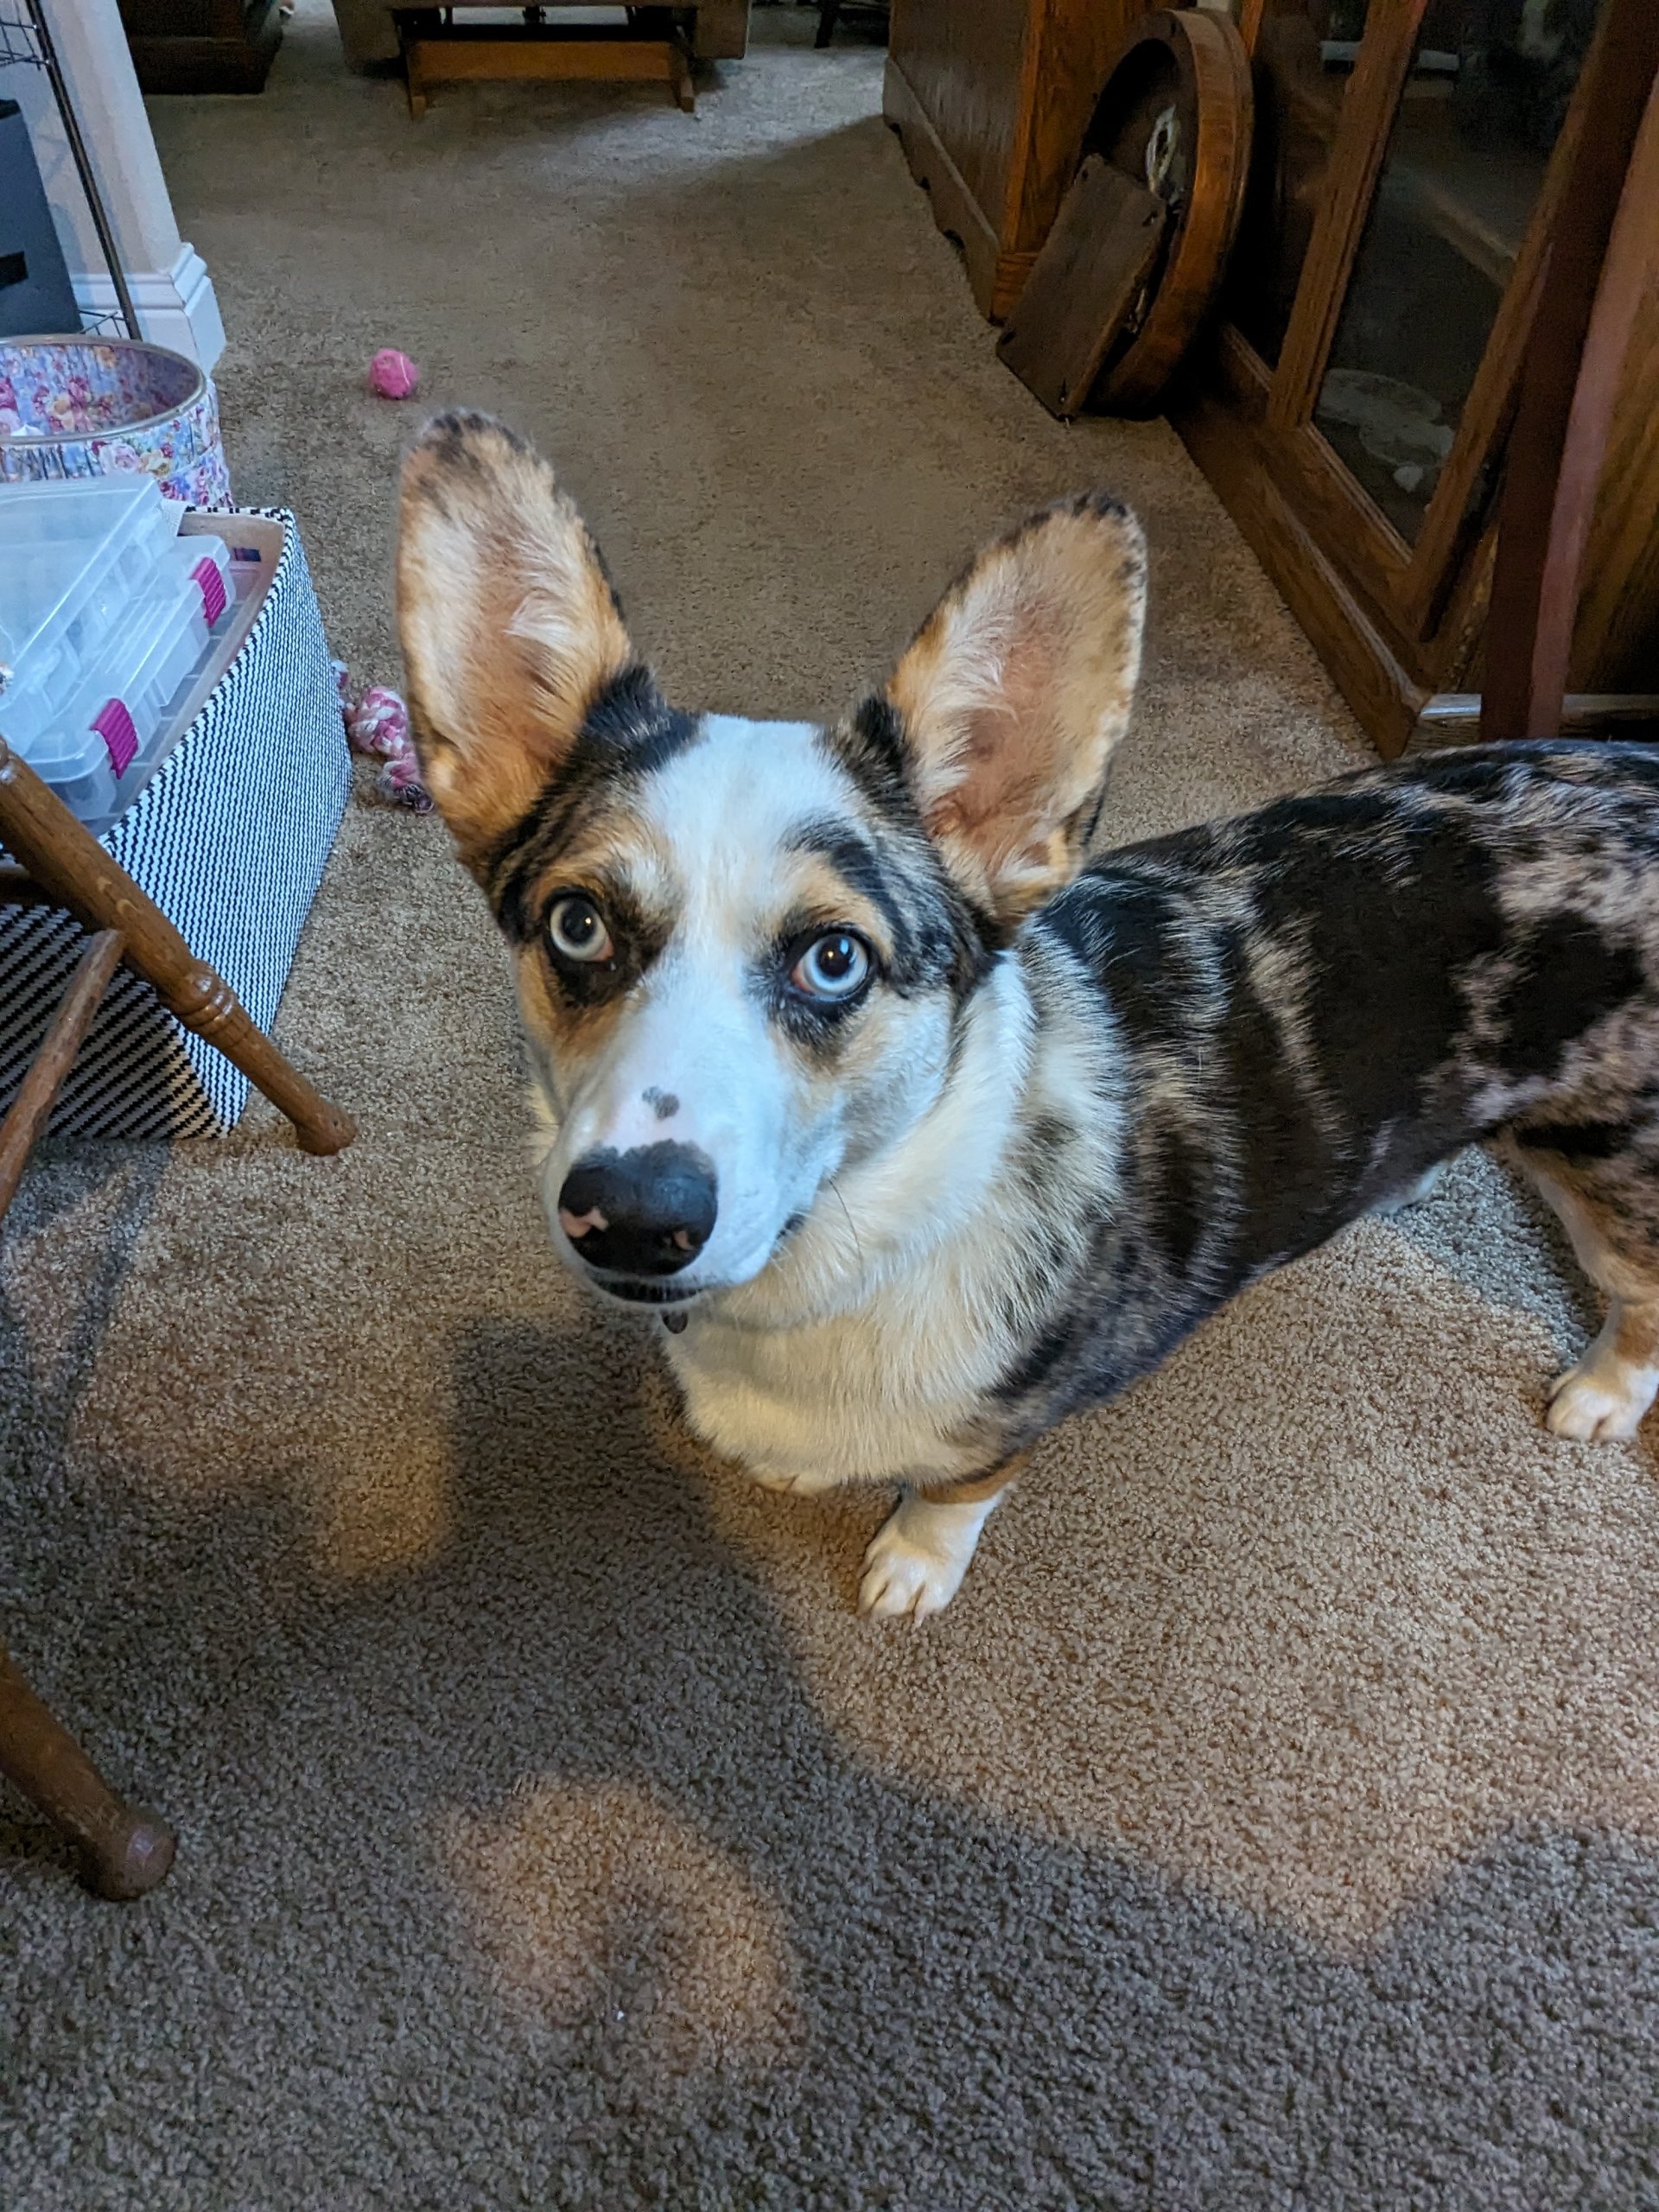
column 93, row 406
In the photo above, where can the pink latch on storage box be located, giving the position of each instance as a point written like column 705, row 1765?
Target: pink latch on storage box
column 211, row 586
column 114, row 725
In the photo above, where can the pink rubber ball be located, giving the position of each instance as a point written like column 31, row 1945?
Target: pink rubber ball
column 392, row 375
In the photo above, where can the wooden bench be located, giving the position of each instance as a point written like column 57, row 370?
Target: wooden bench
column 442, row 46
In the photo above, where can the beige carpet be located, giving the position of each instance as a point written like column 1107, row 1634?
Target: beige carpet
column 1275, row 1819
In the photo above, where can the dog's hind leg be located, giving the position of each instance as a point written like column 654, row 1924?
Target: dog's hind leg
column 1414, row 1194
column 915, row 1565
column 1610, row 1209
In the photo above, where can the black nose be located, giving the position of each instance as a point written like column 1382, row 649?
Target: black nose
column 645, row 1212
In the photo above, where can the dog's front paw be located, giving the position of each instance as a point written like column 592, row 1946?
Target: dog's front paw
column 921, row 1552
column 1597, row 1407
column 901, row 1580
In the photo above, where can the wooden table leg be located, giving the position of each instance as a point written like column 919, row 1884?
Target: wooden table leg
column 124, row 1850
column 63, row 857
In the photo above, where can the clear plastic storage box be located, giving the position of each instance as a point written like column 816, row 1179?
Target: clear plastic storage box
column 106, row 615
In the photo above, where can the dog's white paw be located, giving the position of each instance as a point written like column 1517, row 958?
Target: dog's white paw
column 901, row 1580
column 920, row 1553
column 1595, row 1407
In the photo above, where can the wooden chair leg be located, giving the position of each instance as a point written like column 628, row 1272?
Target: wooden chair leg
column 28, row 1111
column 829, row 16
column 124, row 1850
column 67, row 861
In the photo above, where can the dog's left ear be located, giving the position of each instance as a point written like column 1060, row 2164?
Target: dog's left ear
column 1015, row 693
column 510, row 627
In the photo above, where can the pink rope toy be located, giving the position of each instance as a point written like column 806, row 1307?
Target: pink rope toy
column 377, row 725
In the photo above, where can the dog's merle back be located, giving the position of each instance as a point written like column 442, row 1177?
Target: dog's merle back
column 1314, row 1005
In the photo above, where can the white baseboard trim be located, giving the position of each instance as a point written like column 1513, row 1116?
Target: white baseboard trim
column 176, row 307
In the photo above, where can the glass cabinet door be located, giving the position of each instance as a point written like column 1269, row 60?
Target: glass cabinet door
column 1482, row 108
column 1301, row 64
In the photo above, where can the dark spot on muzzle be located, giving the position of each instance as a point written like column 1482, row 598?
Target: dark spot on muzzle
column 645, row 1212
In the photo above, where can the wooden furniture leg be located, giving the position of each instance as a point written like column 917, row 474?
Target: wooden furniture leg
column 1586, row 308
column 680, row 78
column 829, row 16
column 33, row 1104
column 124, row 1850
column 66, row 861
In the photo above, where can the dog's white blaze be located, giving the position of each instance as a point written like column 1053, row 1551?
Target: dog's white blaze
column 693, row 1026
column 721, row 813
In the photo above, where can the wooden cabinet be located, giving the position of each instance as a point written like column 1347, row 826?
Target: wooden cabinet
column 991, row 99
column 1353, row 407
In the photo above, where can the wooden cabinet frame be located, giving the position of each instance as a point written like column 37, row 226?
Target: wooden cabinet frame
column 991, row 99
column 1399, row 624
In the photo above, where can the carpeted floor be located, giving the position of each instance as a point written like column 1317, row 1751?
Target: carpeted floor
column 1274, row 1821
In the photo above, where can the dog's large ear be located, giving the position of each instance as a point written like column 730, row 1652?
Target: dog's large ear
column 1015, row 693
column 510, row 627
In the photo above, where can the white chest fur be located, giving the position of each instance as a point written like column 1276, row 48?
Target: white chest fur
column 866, row 1353
column 865, row 1396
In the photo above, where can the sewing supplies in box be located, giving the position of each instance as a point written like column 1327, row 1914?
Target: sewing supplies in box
column 107, row 618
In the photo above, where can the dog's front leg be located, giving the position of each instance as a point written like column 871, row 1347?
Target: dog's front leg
column 1605, row 1396
column 922, row 1550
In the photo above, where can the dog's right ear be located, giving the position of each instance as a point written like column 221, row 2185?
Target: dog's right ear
column 510, row 627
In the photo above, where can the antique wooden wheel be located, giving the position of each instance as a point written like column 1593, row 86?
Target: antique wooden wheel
column 1175, row 114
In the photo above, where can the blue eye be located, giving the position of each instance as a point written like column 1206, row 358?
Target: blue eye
column 834, row 966
column 576, row 931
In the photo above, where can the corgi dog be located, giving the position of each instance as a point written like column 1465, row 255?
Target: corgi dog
column 920, row 1127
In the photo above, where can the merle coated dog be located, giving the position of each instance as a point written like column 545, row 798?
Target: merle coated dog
column 920, row 1127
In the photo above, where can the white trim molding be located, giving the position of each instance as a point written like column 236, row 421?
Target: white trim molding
column 171, row 290
column 176, row 307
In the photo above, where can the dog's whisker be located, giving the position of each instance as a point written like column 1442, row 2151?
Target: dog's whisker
column 851, row 1224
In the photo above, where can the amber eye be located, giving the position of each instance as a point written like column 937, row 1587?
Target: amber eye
column 576, row 931
column 834, row 966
